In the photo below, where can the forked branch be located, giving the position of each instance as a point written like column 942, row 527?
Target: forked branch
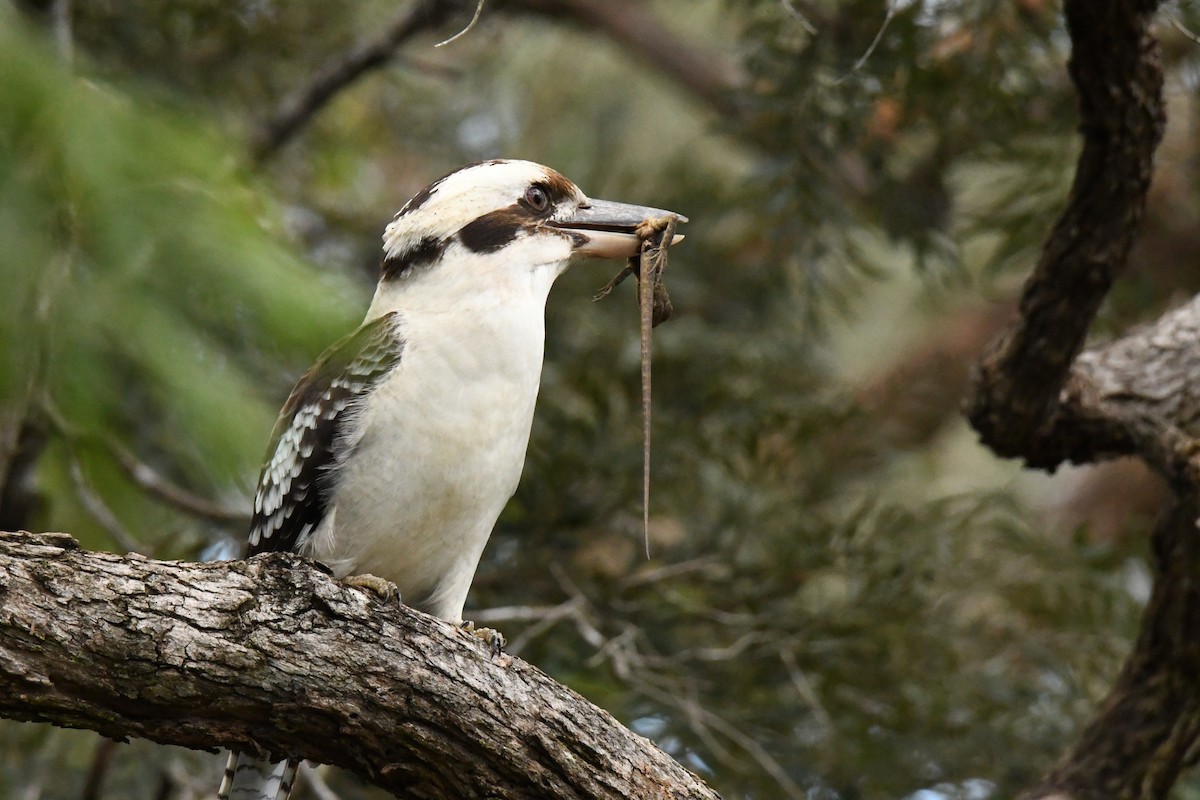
column 1037, row 398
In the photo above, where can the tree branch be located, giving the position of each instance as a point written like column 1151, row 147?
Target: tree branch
column 1134, row 397
column 629, row 25
column 1116, row 71
column 298, row 108
column 1036, row 397
column 1142, row 737
column 272, row 655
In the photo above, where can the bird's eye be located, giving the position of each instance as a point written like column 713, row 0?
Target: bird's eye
column 537, row 198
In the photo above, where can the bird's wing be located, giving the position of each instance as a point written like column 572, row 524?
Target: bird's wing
column 298, row 473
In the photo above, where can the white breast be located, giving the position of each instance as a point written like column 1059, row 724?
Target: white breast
column 439, row 447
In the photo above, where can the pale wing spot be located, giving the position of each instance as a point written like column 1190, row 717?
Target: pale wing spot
column 289, row 501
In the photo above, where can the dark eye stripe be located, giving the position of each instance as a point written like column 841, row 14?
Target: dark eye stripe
column 494, row 230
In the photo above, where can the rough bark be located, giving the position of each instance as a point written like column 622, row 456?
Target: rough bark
column 1038, row 398
column 1116, row 71
column 274, row 656
column 1147, row 730
column 1136, row 396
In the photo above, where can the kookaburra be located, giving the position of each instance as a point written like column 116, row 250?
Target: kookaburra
column 398, row 449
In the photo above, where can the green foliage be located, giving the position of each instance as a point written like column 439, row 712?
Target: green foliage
column 821, row 616
column 145, row 301
column 790, row 633
column 867, row 112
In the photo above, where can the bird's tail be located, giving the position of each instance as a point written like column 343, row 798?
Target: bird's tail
column 247, row 778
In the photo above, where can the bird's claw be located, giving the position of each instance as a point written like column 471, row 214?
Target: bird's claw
column 493, row 638
column 386, row 590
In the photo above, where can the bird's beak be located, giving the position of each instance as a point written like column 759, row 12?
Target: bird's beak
column 604, row 229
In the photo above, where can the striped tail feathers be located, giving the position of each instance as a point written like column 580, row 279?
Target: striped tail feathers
column 248, row 778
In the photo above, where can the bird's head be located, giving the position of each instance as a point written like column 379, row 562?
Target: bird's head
column 492, row 220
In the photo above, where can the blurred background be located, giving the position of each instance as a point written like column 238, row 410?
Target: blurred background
column 847, row 597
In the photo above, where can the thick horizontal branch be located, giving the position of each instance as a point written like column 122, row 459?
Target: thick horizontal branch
column 274, row 656
column 1152, row 369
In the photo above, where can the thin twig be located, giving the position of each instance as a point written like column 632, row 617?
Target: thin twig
column 519, row 643
column 586, row 629
column 710, row 79
column 805, row 689
column 702, row 721
column 543, row 617
column 862, row 60
column 490, row 616
column 730, row 651
column 795, row 13
column 638, row 671
column 295, row 111
column 142, row 474
column 153, row 482
column 708, row 76
column 702, row 564
column 99, row 511
column 1179, row 26
column 466, row 30
column 92, row 502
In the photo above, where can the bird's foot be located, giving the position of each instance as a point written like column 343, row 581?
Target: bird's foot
column 493, row 638
column 385, row 589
